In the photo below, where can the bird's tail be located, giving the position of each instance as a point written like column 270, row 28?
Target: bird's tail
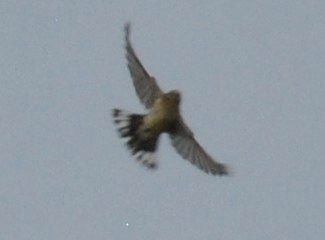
column 141, row 144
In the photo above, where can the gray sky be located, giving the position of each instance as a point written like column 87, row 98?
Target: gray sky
column 258, row 69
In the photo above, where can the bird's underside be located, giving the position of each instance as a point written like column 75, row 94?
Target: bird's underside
column 142, row 131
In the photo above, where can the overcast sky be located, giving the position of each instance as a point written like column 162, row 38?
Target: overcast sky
column 252, row 76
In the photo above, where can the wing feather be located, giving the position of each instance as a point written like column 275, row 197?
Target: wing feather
column 185, row 144
column 145, row 85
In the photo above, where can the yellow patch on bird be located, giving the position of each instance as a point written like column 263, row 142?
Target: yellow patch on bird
column 163, row 113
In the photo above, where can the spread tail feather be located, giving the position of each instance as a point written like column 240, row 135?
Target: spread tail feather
column 141, row 145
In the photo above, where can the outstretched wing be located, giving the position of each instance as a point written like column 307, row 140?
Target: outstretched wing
column 145, row 85
column 185, row 144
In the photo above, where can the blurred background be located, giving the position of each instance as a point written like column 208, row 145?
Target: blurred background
column 252, row 78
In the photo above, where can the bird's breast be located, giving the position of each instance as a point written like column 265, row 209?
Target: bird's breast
column 162, row 116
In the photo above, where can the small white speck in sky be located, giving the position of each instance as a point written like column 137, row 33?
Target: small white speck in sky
column 127, row 224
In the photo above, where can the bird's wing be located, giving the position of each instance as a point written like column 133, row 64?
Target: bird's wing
column 145, row 85
column 185, row 144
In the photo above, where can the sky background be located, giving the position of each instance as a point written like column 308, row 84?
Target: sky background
column 252, row 75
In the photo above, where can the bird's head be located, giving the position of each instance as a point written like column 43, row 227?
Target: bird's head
column 174, row 95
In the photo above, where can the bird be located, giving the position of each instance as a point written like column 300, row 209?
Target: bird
column 143, row 131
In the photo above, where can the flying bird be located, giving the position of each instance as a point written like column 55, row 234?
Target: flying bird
column 143, row 130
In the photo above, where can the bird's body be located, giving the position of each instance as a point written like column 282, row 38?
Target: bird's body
column 143, row 130
column 163, row 115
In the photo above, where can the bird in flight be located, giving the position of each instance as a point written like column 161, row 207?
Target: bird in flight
column 143, row 130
